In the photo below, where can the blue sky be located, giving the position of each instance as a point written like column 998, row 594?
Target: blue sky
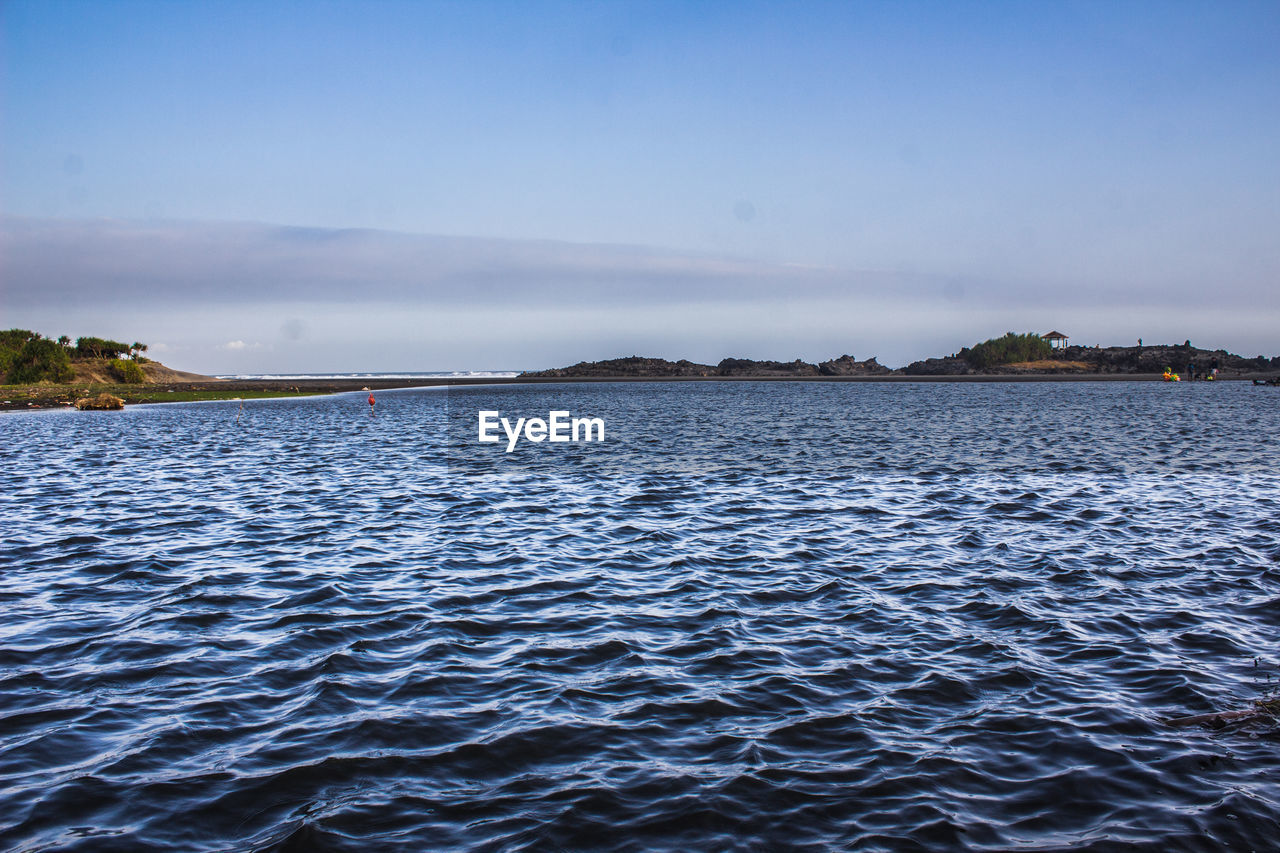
column 888, row 178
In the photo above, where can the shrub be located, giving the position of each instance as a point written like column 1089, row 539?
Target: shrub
column 11, row 343
column 1007, row 350
column 127, row 372
column 40, row 359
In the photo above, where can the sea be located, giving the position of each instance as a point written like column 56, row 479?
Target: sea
column 755, row 616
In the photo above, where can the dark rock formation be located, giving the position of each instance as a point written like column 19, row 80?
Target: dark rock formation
column 1155, row 359
column 638, row 366
column 748, row 367
column 631, row 366
column 949, row 366
column 846, row 366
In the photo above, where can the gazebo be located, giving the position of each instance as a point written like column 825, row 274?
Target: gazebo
column 1057, row 340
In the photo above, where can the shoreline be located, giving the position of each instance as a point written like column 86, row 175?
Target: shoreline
column 27, row 398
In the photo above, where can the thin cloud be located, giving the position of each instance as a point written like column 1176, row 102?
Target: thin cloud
column 106, row 260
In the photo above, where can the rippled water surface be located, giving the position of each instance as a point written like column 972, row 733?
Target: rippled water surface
column 758, row 616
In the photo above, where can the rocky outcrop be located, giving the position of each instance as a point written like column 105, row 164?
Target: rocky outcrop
column 630, row 366
column 949, row 366
column 845, row 365
column 638, row 366
column 1154, row 359
column 748, row 367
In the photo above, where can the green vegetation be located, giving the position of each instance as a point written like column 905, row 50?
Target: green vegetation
column 127, row 372
column 100, row 348
column 1007, row 350
column 27, row 357
column 31, row 357
column 11, row 343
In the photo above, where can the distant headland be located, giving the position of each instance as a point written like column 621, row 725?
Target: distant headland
column 1013, row 355
column 639, row 367
column 41, row 372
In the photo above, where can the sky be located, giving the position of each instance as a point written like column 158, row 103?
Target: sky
column 265, row 187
